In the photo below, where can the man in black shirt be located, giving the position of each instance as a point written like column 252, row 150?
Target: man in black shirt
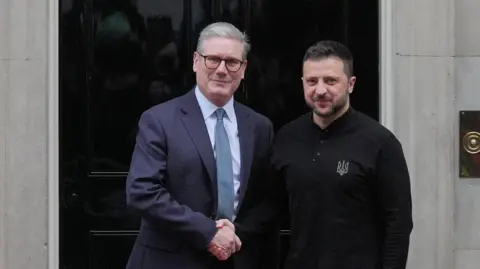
column 345, row 174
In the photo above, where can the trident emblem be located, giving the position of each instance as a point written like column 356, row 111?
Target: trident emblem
column 342, row 168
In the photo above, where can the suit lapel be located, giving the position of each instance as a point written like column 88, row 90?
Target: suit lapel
column 195, row 125
column 246, row 133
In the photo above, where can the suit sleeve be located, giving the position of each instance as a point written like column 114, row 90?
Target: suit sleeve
column 393, row 184
column 265, row 216
column 146, row 191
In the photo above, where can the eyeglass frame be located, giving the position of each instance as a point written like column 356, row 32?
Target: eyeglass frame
column 205, row 57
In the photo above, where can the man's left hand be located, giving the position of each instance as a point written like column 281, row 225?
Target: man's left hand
column 220, row 252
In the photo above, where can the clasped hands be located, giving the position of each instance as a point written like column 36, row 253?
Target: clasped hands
column 225, row 242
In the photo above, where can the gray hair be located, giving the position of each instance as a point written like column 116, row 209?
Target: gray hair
column 224, row 29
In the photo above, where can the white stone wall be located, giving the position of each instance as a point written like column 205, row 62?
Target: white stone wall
column 23, row 134
column 424, row 117
column 437, row 73
column 467, row 89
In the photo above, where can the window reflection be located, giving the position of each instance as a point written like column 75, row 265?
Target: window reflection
column 72, row 73
column 274, row 68
column 232, row 11
column 136, row 64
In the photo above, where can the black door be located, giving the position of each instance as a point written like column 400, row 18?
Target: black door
column 120, row 57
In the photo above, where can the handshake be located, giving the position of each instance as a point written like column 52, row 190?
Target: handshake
column 225, row 243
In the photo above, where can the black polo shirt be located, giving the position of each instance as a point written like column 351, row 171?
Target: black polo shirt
column 349, row 194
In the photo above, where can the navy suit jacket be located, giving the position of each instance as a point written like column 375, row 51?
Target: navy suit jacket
column 172, row 184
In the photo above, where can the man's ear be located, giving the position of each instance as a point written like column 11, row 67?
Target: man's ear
column 195, row 61
column 244, row 67
column 351, row 83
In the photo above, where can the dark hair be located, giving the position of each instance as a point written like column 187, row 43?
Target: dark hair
column 326, row 49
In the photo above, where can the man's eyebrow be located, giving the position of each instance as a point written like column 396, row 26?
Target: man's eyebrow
column 332, row 76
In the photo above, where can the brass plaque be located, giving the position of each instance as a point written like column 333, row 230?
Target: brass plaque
column 469, row 144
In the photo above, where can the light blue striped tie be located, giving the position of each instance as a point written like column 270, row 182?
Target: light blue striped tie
column 224, row 169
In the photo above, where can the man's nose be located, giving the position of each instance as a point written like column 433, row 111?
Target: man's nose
column 320, row 89
column 222, row 69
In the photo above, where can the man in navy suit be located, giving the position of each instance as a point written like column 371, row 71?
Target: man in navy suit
column 200, row 169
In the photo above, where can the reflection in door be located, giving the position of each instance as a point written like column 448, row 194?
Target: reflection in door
column 120, row 57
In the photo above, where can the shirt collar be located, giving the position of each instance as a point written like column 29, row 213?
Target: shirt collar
column 208, row 108
column 337, row 125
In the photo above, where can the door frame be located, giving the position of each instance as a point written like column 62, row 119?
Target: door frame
column 386, row 91
column 53, row 149
column 387, row 63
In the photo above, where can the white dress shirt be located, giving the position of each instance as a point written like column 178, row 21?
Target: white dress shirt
column 230, row 123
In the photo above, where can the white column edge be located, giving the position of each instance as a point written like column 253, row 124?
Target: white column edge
column 387, row 57
column 53, row 138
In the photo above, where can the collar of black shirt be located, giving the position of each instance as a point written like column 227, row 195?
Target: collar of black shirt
column 337, row 125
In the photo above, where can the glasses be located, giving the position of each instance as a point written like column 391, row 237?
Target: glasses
column 212, row 62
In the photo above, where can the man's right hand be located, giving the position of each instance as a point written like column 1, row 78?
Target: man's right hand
column 225, row 222
column 225, row 243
